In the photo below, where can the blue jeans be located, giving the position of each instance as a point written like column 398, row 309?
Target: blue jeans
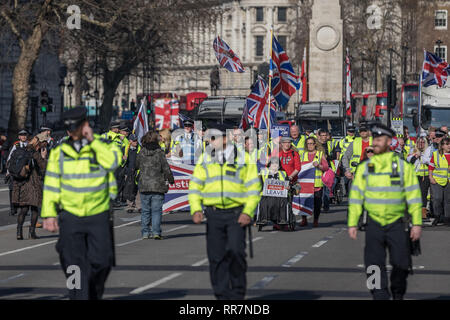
column 151, row 204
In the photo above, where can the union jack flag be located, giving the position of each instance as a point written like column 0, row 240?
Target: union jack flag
column 176, row 199
column 284, row 80
column 166, row 113
column 226, row 56
column 256, row 106
column 435, row 71
column 348, row 86
column 303, row 204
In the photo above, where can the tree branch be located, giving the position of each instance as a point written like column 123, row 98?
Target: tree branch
column 13, row 28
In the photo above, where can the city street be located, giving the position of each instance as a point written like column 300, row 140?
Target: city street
column 309, row 263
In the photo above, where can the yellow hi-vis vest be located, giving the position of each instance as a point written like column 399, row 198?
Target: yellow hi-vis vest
column 344, row 143
column 80, row 182
column 265, row 174
column 422, row 170
column 409, row 145
column 318, row 173
column 441, row 171
column 300, row 145
column 224, row 186
column 357, row 150
column 384, row 194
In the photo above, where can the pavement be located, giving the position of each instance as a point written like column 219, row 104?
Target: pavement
column 309, row 263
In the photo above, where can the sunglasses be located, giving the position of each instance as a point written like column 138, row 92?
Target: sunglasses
column 369, row 151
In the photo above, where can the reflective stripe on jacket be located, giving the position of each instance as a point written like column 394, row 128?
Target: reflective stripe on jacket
column 224, row 186
column 81, row 183
column 384, row 195
column 441, row 171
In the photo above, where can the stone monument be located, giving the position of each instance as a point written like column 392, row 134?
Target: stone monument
column 326, row 52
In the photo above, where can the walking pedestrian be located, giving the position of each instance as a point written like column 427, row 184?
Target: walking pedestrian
column 386, row 186
column 130, row 188
column 78, row 184
column 153, row 182
column 27, row 167
column 229, row 190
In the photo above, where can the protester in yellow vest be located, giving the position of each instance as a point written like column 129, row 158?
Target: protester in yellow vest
column 439, row 173
column 418, row 160
column 315, row 154
column 355, row 151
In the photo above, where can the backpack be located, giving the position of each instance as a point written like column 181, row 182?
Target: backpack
column 19, row 159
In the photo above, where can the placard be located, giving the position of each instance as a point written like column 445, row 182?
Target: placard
column 397, row 125
column 275, row 188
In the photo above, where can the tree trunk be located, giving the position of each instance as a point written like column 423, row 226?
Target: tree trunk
column 20, row 81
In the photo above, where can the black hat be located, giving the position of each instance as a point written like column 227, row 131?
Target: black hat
column 124, row 128
column 23, row 132
column 351, row 127
column 115, row 124
column 132, row 137
column 45, row 128
column 363, row 127
column 382, row 130
column 74, row 117
column 439, row 133
column 188, row 123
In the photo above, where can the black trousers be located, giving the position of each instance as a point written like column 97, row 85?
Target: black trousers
column 225, row 244
column 86, row 243
column 317, row 203
column 396, row 239
column 424, row 183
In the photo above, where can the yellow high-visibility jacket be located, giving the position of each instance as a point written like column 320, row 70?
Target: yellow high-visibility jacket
column 81, row 183
column 383, row 194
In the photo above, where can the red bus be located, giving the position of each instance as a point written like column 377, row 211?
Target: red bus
column 381, row 107
column 409, row 100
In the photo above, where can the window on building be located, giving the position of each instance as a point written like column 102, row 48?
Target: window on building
column 441, row 52
column 282, row 14
column 440, row 19
column 259, row 14
column 259, row 46
column 282, row 40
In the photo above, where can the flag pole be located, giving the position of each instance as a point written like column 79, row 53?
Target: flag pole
column 270, row 83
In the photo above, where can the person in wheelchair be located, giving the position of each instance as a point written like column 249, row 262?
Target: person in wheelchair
column 273, row 209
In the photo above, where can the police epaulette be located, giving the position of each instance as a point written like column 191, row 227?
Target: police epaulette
column 108, row 141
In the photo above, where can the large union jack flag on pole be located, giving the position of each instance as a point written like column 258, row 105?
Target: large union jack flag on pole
column 435, row 71
column 226, row 56
column 256, row 106
column 348, row 86
column 284, row 81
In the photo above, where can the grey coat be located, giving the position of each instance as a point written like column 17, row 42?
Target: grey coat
column 154, row 171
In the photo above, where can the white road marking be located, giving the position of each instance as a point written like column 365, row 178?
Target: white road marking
column 389, row 267
column 263, row 282
column 132, row 222
column 199, row 263
column 4, row 189
column 140, row 239
column 294, row 259
column 320, row 243
column 5, row 209
column 12, row 278
column 56, row 264
column 27, row 248
column 255, row 239
column 156, row 283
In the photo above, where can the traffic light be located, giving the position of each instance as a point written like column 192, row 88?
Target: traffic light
column 133, row 106
column 391, row 91
column 44, row 101
column 50, row 104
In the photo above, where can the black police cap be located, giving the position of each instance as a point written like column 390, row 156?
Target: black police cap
column 439, row 133
column 23, row 132
column 115, row 124
column 124, row 128
column 74, row 116
column 188, row 123
column 382, row 130
column 351, row 127
column 45, row 128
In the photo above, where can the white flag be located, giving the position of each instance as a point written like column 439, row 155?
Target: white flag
column 140, row 127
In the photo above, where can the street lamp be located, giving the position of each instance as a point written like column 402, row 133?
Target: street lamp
column 70, row 87
column 405, row 61
column 362, row 72
column 62, row 88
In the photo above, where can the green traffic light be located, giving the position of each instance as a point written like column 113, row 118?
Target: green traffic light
column 44, row 109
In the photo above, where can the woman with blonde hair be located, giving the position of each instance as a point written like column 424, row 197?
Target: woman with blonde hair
column 165, row 140
column 418, row 159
